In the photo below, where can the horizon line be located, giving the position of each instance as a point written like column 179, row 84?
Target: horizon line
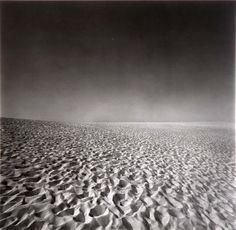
column 64, row 121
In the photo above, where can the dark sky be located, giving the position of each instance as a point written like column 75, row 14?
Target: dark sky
column 127, row 61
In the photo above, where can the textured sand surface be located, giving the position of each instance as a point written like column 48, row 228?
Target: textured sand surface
column 116, row 176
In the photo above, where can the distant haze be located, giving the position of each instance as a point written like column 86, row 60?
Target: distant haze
column 127, row 61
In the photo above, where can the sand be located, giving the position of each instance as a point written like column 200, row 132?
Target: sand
column 116, row 176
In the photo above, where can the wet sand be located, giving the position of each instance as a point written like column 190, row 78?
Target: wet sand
column 116, row 176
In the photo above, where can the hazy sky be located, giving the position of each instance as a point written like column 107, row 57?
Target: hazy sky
column 97, row 61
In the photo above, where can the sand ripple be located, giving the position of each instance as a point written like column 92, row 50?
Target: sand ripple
column 116, row 176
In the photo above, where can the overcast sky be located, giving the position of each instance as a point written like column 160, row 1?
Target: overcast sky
column 84, row 61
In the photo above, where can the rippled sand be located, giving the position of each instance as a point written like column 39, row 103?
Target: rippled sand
column 116, row 176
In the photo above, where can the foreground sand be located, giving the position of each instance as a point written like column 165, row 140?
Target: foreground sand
column 116, row 176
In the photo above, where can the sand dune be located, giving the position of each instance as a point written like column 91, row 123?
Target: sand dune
column 115, row 176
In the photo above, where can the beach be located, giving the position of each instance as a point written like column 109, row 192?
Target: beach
column 116, row 176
